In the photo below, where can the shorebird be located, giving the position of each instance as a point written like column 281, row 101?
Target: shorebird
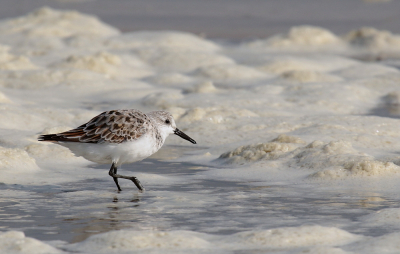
column 119, row 136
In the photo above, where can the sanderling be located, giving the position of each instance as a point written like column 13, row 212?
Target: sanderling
column 119, row 136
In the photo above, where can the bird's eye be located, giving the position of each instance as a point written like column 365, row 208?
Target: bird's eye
column 167, row 121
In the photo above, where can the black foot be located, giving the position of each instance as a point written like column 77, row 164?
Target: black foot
column 137, row 183
column 115, row 176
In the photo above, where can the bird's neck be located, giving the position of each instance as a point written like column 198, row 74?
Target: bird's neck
column 159, row 138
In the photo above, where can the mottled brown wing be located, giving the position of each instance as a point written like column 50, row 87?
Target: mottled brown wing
column 115, row 126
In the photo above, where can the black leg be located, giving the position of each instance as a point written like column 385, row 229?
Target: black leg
column 115, row 176
column 112, row 172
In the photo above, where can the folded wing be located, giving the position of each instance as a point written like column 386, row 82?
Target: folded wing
column 115, row 126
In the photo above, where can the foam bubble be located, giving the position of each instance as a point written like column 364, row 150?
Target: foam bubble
column 56, row 129
column 316, row 237
column 15, row 242
column 106, row 63
column 324, row 250
column 283, row 138
column 309, row 77
column 31, row 79
column 319, row 63
column 50, row 151
column 290, row 237
column 16, row 118
column 336, row 159
column 256, row 152
column 14, row 161
column 358, row 168
column 171, row 78
column 11, row 62
column 4, row 98
column 125, row 240
column 182, row 60
column 372, row 38
column 229, row 72
column 163, row 99
column 100, row 62
column 388, row 243
column 300, row 36
column 339, row 159
column 279, row 66
column 161, row 39
column 37, row 79
column 203, row 87
column 215, row 115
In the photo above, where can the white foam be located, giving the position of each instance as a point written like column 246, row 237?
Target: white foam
column 15, row 160
column 182, row 60
column 106, row 63
column 316, row 237
column 9, row 61
column 215, row 115
column 388, row 243
column 374, row 39
column 203, row 87
column 162, row 39
column 163, row 99
column 285, row 238
column 229, row 72
column 285, row 61
column 257, row 152
column 4, row 98
column 16, row 117
column 171, row 78
column 45, row 152
column 364, row 71
column 309, row 36
column 309, row 77
column 124, row 240
column 37, row 79
column 330, row 160
column 15, row 242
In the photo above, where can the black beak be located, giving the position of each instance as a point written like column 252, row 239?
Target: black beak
column 184, row 136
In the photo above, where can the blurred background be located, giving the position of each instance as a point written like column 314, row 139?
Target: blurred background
column 231, row 19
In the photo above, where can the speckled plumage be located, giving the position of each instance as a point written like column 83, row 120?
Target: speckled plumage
column 119, row 136
column 114, row 126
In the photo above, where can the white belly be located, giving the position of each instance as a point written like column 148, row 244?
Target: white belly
column 106, row 153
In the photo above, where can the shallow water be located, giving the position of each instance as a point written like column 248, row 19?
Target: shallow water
column 73, row 211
